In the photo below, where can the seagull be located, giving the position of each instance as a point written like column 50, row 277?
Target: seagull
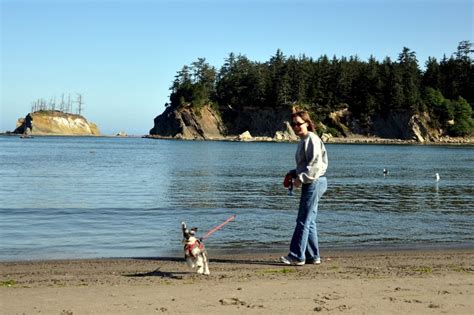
column 437, row 177
column 385, row 172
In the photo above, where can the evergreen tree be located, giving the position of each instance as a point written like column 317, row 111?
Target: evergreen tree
column 410, row 73
column 432, row 74
column 449, row 81
column 345, row 79
column 181, row 89
column 299, row 75
column 204, row 80
column 278, row 85
column 240, row 83
column 465, row 65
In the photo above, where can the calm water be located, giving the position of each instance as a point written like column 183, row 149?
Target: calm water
column 125, row 197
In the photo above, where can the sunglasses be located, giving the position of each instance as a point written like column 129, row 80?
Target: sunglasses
column 295, row 124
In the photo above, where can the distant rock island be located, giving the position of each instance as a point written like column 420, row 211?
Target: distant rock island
column 54, row 122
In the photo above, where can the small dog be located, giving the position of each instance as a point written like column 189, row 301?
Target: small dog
column 194, row 251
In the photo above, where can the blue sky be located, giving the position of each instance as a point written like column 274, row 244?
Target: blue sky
column 123, row 55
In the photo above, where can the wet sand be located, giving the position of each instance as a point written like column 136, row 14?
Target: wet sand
column 347, row 282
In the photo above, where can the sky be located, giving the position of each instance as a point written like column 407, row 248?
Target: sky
column 122, row 55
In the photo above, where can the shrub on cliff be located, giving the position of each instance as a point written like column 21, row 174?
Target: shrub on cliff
column 463, row 122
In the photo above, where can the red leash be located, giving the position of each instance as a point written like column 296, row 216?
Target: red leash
column 218, row 227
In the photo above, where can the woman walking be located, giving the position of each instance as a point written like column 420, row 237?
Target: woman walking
column 311, row 165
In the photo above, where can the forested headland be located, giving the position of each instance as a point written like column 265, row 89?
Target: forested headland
column 444, row 88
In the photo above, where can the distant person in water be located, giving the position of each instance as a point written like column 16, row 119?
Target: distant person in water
column 311, row 165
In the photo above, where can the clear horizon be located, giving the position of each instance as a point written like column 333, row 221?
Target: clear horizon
column 122, row 56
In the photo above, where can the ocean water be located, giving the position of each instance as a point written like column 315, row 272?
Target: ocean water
column 81, row 197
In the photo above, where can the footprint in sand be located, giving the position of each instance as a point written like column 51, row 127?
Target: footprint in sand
column 237, row 301
column 232, row 301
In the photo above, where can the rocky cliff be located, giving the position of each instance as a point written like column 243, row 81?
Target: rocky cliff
column 225, row 124
column 272, row 124
column 395, row 125
column 406, row 126
column 188, row 123
column 51, row 122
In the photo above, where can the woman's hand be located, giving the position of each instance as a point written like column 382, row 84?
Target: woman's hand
column 297, row 182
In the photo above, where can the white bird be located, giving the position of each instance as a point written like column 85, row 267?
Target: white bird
column 437, row 177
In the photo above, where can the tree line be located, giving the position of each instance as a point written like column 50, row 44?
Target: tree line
column 444, row 89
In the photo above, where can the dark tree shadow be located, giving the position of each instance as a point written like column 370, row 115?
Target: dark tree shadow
column 219, row 260
column 181, row 275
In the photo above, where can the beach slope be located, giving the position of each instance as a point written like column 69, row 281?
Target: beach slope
column 347, row 282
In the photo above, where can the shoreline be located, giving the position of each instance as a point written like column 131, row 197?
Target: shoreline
column 339, row 140
column 431, row 281
column 275, row 251
column 336, row 140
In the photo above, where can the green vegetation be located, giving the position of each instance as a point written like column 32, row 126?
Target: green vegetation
column 445, row 89
column 424, row 269
column 8, row 283
column 463, row 269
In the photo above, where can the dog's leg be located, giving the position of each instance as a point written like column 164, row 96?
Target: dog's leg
column 200, row 264
column 206, row 264
column 190, row 262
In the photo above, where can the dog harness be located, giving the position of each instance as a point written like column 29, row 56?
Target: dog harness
column 188, row 248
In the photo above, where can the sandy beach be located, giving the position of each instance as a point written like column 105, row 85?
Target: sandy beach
column 347, row 282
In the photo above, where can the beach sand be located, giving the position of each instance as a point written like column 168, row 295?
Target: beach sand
column 347, row 282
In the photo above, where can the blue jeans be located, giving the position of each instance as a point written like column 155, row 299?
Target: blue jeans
column 304, row 243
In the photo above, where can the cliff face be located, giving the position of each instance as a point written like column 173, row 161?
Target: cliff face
column 260, row 122
column 403, row 125
column 55, row 123
column 273, row 124
column 188, row 123
column 207, row 123
column 396, row 125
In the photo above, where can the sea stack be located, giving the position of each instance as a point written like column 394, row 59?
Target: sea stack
column 54, row 122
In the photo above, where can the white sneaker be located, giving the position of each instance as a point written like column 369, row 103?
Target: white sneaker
column 287, row 260
column 316, row 261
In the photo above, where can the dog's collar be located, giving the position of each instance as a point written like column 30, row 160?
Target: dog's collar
column 188, row 248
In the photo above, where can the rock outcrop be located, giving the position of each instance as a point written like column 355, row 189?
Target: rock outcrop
column 188, row 123
column 225, row 124
column 272, row 124
column 400, row 125
column 260, row 122
column 49, row 122
column 406, row 126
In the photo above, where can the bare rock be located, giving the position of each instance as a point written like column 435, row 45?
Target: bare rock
column 189, row 123
column 245, row 136
column 326, row 137
column 53, row 122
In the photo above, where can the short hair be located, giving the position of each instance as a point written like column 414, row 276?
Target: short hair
column 306, row 118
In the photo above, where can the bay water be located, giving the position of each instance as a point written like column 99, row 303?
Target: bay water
column 99, row 197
